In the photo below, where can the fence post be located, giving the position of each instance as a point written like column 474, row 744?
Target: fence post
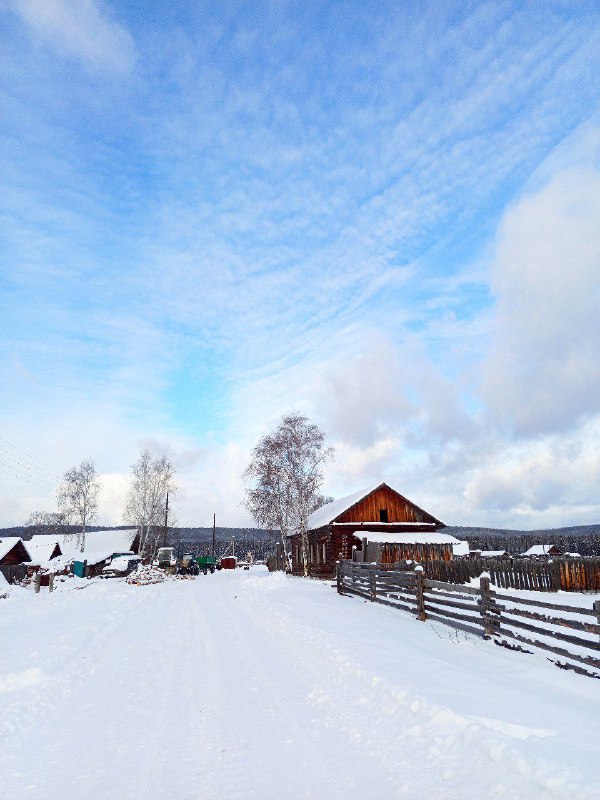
column 372, row 581
column 338, row 576
column 420, row 592
column 554, row 575
column 484, row 588
column 37, row 582
column 364, row 549
column 51, row 582
column 597, row 610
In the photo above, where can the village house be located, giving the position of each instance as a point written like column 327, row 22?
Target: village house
column 14, row 557
column 542, row 550
column 380, row 523
column 101, row 547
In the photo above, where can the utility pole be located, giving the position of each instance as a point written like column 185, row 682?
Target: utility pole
column 213, row 538
column 166, row 521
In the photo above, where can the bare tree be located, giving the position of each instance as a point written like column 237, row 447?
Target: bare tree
column 284, row 477
column 47, row 522
column 151, row 479
column 78, row 497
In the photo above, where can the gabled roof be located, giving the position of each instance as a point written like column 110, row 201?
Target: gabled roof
column 328, row 513
column 8, row 542
column 41, row 547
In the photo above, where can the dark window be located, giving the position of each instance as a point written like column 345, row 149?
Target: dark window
column 383, row 515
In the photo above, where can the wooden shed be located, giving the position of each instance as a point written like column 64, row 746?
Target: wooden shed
column 380, row 512
column 13, row 551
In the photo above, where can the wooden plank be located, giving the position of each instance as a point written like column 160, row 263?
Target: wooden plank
column 458, row 594
column 431, row 598
column 455, row 625
column 429, row 584
column 541, row 604
column 587, row 644
column 589, row 660
column 396, row 605
column 573, row 624
column 452, row 614
column 349, row 590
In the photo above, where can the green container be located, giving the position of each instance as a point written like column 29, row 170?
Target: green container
column 79, row 569
column 206, row 561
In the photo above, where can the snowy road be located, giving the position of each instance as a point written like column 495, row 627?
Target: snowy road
column 250, row 685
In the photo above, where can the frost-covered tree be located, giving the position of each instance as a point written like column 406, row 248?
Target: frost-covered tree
column 284, row 478
column 151, row 479
column 78, row 497
column 41, row 522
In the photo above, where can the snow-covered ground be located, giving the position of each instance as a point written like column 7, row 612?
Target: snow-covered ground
column 250, row 685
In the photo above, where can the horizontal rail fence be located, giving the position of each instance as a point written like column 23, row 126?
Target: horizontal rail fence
column 569, row 633
column 567, row 574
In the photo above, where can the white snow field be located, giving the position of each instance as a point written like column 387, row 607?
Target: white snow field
column 255, row 685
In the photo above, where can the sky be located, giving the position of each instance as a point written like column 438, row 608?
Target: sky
column 384, row 216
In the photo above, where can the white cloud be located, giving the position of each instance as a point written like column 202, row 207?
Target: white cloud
column 542, row 369
column 83, row 29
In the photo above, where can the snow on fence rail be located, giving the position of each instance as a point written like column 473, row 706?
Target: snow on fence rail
column 484, row 612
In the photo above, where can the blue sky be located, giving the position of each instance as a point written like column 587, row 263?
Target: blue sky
column 383, row 215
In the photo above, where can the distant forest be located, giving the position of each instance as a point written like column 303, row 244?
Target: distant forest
column 582, row 539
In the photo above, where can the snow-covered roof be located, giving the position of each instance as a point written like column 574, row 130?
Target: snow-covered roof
column 117, row 541
column 40, row 547
column 96, row 557
column 8, row 542
column 327, row 513
column 538, row 550
column 491, row 553
column 460, row 548
column 409, row 537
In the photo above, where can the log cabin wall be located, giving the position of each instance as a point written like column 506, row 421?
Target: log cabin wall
column 396, row 509
column 325, row 546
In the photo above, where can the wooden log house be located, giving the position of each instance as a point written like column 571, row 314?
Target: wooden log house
column 384, row 517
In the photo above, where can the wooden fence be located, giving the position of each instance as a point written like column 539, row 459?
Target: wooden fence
column 564, row 631
column 14, row 573
column 565, row 574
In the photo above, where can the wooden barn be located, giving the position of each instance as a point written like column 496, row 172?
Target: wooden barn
column 380, row 517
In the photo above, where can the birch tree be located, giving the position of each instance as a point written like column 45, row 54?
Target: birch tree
column 284, row 478
column 151, row 479
column 78, row 497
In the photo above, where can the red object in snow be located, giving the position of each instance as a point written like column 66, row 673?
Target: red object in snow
column 228, row 562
